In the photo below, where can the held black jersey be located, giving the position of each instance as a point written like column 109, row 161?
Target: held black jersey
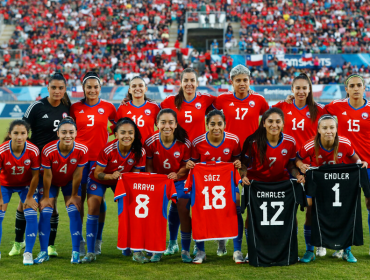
column 272, row 227
column 336, row 204
column 44, row 120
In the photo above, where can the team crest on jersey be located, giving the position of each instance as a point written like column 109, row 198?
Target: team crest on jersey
column 365, row 115
column 101, row 111
column 340, row 155
column 226, row 151
column 65, row 115
column 27, row 162
column 41, row 191
column 308, row 115
column 147, row 112
column 176, row 154
column 93, row 187
column 251, row 103
column 73, row 160
column 284, row 152
column 198, row 105
column 130, row 161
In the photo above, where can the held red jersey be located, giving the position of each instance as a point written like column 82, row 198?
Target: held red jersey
column 167, row 160
column 144, row 116
column 297, row 122
column 142, row 211
column 345, row 151
column 203, row 150
column 17, row 172
column 112, row 159
column 213, row 187
column 63, row 167
column 192, row 114
column 274, row 166
column 92, row 123
column 242, row 115
column 353, row 124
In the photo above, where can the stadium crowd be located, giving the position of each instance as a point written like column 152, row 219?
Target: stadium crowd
column 118, row 38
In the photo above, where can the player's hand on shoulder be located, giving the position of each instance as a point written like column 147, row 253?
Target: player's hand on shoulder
column 30, row 202
column 125, row 101
column 245, row 181
column 289, row 99
column 304, row 167
column 301, row 179
column 190, row 164
column 237, row 164
column 172, row 176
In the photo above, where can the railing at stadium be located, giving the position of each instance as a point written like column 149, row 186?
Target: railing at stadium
column 207, row 20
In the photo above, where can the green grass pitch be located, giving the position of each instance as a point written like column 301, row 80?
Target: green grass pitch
column 112, row 265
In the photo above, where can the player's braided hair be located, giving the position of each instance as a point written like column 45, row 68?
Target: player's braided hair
column 59, row 77
column 180, row 97
column 15, row 123
column 260, row 137
column 180, row 134
column 89, row 75
column 129, row 95
column 318, row 137
column 312, row 106
column 353, row 76
column 136, row 145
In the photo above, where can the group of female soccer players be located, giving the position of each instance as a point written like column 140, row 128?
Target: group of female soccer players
column 72, row 153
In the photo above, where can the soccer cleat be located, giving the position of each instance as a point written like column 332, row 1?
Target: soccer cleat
column 221, row 250
column 41, row 257
column 200, row 257
column 320, row 251
column 52, row 251
column 27, row 259
column 98, row 246
column 126, row 252
column 185, row 256
column 349, row 257
column 172, row 248
column 82, row 248
column 16, row 249
column 195, row 250
column 246, row 260
column 338, row 254
column 139, row 257
column 156, row 257
column 308, row 256
column 238, row 257
column 90, row 257
column 75, row 258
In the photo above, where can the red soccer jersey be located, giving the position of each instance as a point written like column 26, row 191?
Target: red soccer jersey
column 345, row 150
column 242, row 115
column 203, row 150
column 192, row 114
column 17, row 172
column 297, row 122
column 213, row 187
column 167, row 160
column 112, row 159
column 353, row 124
column 144, row 116
column 142, row 211
column 63, row 167
column 274, row 166
column 92, row 123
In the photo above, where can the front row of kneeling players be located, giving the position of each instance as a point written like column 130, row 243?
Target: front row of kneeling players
column 268, row 153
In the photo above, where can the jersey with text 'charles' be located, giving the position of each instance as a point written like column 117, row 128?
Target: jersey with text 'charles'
column 191, row 115
column 203, row 150
column 242, row 115
column 213, row 188
column 144, row 116
column 345, row 151
column 17, row 171
column 142, row 210
column 298, row 121
column 167, row 160
column 112, row 160
column 273, row 169
column 63, row 167
column 92, row 123
column 353, row 124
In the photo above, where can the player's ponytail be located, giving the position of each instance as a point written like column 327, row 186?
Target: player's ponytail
column 129, row 95
column 89, row 75
column 180, row 133
column 318, row 137
column 136, row 145
column 260, row 137
column 312, row 106
column 180, row 97
column 15, row 123
column 59, row 77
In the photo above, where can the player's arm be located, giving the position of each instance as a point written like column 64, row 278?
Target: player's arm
column 45, row 201
column 30, row 202
column 149, row 165
column 183, row 171
column 301, row 166
column 100, row 175
column 76, row 181
column 293, row 170
column 243, row 175
column 356, row 159
column 236, row 162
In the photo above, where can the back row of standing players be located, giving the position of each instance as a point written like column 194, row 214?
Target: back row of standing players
column 169, row 151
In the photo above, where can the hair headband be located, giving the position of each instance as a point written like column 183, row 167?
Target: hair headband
column 91, row 77
column 327, row 117
column 354, row 76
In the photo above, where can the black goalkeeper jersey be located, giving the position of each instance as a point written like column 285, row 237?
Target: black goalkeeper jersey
column 336, row 204
column 272, row 227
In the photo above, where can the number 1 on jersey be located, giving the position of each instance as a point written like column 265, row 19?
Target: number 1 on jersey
column 336, row 203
